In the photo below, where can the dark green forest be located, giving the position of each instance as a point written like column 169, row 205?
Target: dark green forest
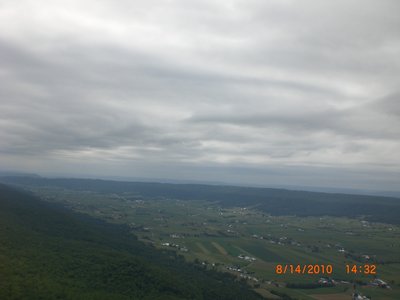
column 272, row 201
column 49, row 252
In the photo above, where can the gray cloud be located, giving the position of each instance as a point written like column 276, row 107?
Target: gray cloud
column 371, row 120
column 186, row 88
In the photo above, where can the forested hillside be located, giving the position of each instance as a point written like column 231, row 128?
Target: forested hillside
column 49, row 252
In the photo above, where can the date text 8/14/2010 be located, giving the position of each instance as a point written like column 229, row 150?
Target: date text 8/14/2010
column 304, row 269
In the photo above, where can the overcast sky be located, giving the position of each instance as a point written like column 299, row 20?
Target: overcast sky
column 253, row 92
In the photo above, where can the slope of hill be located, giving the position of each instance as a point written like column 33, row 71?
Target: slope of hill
column 48, row 252
column 273, row 201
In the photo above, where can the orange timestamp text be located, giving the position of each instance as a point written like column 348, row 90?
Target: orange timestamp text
column 310, row 269
column 366, row 269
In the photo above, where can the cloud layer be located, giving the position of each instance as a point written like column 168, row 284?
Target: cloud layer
column 202, row 89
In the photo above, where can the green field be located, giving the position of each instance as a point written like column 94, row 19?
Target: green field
column 205, row 233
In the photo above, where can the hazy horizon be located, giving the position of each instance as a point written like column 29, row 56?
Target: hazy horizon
column 291, row 93
column 323, row 189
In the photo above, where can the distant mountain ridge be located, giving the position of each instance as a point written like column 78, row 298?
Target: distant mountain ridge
column 304, row 188
column 269, row 200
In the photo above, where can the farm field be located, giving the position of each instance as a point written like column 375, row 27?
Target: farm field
column 251, row 244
